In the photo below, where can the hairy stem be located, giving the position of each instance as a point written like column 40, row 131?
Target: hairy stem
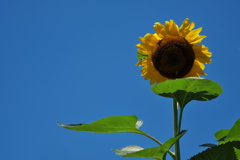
column 158, row 142
column 176, row 129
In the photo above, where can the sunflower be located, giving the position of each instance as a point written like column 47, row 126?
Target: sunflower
column 173, row 52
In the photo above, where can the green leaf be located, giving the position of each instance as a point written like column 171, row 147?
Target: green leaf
column 237, row 152
column 113, row 124
column 234, row 133
column 141, row 56
column 127, row 150
column 228, row 135
column 221, row 135
column 155, row 152
column 220, row 152
column 186, row 89
column 207, row 145
column 229, row 140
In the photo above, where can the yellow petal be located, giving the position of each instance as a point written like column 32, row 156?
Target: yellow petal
column 192, row 73
column 186, row 27
column 157, row 37
column 139, row 63
column 173, row 28
column 197, row 39
column 202, row 54
column 150, row 40
column 194, row 33
column 193, row 37
column 161, row 79
column 191, row 26
column 144, row 48
column 160, row 30
column 144, row 52
column 198, row 67
column 142, row 39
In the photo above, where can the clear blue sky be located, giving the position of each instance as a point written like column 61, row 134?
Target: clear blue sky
column 74, row 62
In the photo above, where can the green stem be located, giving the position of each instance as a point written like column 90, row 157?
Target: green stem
column 180, row 120
column 176, row 129
column 158, row 142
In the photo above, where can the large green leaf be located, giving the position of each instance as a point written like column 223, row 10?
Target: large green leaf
column 186, row 89
column 220, row 152
column 234, row 133
column 237, row 152
column 221, row 135
column 113, row 124
column 228, row 148
column 227, row 135
column 155, row 152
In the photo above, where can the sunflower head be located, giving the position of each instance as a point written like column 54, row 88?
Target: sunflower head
column 173, row 52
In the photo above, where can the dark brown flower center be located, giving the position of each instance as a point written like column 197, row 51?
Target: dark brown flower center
column 173, row 57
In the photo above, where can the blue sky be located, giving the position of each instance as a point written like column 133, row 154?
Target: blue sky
column 74, row 62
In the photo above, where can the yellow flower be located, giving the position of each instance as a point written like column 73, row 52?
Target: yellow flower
column 173, row 52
